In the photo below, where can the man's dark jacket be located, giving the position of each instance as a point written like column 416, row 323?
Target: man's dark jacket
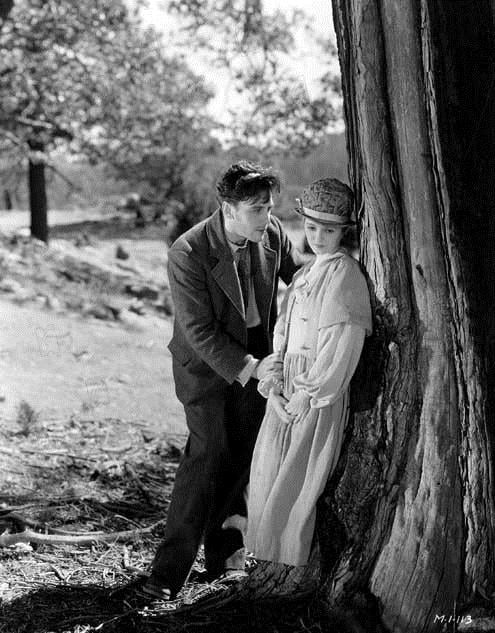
column 208, row 345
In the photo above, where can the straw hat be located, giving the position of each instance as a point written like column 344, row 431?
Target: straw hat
column 327, row 201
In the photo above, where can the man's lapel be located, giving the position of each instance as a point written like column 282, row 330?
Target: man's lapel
column 263, row 262
column 223, row 268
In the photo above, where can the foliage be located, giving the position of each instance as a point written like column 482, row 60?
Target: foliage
column 27, row 418
column 160, row 105
column 49, row 67
column 254, row 44
column 87, row 78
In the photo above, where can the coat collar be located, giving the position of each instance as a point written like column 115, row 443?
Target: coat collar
column 223, row 266
column 215, row 230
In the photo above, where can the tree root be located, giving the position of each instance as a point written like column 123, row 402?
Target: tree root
column 28, row 536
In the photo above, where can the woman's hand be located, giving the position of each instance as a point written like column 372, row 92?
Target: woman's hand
column 298, row 405
column 279, row 402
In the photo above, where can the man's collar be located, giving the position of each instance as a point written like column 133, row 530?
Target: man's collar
column 234, row 242
column 216, row 235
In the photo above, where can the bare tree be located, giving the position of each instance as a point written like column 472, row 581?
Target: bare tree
column 407, row 524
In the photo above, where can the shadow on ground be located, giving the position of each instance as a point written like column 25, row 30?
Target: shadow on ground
column 91, row 608
column 60, row 608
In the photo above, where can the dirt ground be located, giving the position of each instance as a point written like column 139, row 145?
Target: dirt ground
column 60, row 357
column 66, row 363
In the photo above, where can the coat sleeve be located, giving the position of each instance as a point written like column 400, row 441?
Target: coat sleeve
column 194, row 313
column 339, row 349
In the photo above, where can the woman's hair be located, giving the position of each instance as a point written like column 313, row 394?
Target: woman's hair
column 246, row 181
column 350, row 239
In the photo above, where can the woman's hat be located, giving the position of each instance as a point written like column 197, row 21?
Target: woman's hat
column 328, row 201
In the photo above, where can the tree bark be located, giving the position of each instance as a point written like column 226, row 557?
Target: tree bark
column 7, row 200
column 407, row 524
column 5, row 7
column 37, row 193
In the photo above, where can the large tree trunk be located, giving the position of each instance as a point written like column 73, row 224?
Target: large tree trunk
column 407, row 526
column 37, row 193
column 5, row 7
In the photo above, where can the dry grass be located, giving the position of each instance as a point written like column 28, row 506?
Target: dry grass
column 89, row 475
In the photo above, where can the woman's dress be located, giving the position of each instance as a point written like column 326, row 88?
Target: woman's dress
column 319, row 334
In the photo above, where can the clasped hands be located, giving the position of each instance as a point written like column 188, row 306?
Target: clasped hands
column 290, row 411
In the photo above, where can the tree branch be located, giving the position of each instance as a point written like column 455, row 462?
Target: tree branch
column 36, row 124
column 28, row 536
column 12, row 137
column 73, row 186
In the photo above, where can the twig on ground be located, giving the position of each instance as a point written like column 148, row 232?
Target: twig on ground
column 54, row 501
column 105, row 553
column 59, row 453
column 58, row 573
column 22, row 521
column 28, row 536
column 124, row 518
column 9, row 451
column 125, row 556
column 116, row 449
column 141, row 487
column 126, row 562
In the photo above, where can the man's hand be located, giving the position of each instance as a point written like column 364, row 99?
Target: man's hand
column 298, row 404
column 278, row 402
column 270, row 365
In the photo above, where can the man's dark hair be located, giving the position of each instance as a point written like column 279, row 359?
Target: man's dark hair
column 245, row 181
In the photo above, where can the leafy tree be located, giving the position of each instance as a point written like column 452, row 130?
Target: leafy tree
column 161, row 106
column 277, row 113
column 87, row 78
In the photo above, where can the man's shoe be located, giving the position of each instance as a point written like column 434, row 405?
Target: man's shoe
column 155, row 588
column 198, row 576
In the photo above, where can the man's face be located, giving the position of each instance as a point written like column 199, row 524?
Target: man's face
column 248, row 219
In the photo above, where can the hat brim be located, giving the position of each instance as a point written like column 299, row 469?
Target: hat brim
column 344, row 224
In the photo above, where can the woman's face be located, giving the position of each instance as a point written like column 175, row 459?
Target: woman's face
column 323, row 239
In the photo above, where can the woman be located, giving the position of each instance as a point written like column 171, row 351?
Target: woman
column 319, row 335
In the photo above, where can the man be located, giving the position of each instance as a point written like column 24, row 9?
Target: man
column 223, row 277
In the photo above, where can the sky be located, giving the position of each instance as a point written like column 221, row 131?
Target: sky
column 304, row 63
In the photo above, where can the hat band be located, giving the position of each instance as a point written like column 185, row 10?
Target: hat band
column 324, row 217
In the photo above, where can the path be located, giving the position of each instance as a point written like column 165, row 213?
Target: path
column 64, row 363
